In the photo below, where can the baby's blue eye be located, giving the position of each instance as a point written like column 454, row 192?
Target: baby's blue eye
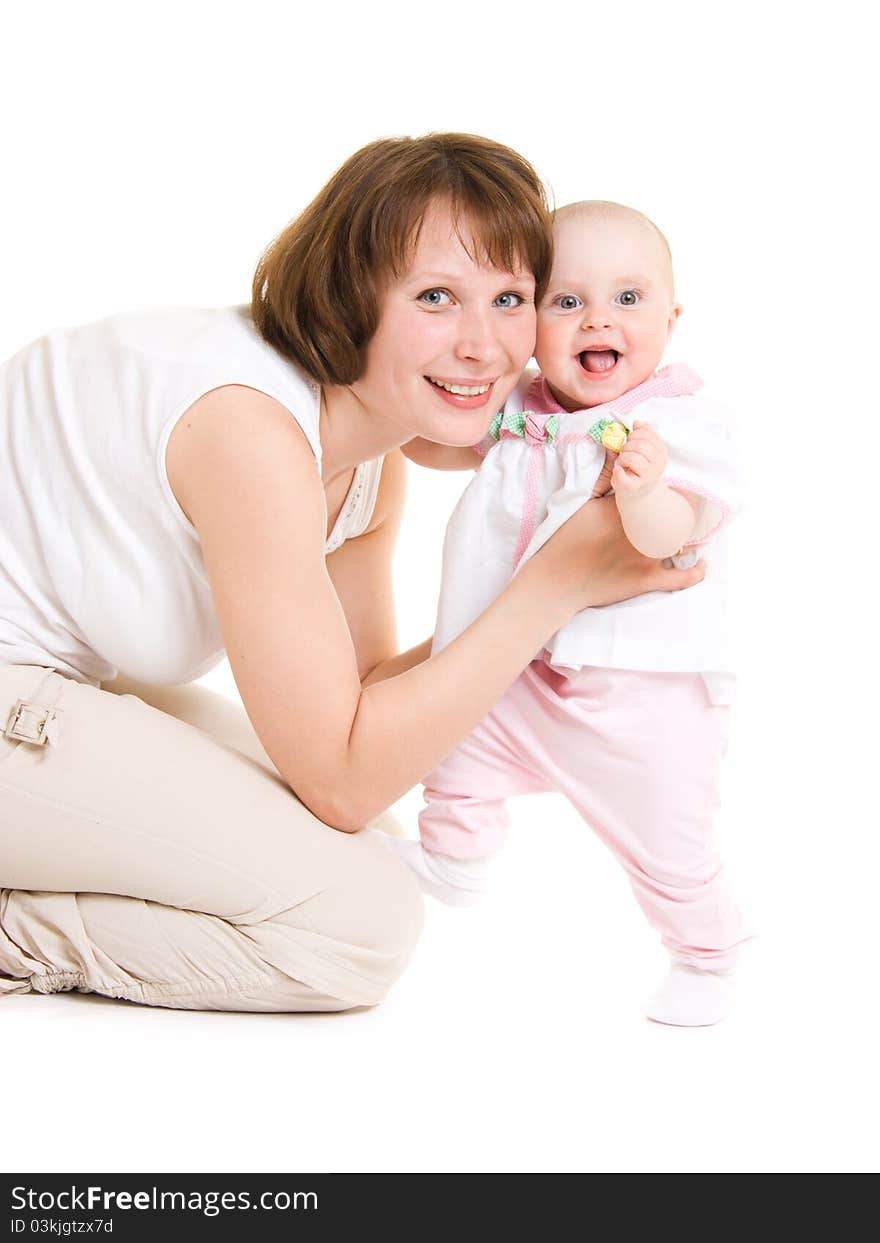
column 433, row 297
column 500, row 300
column 629, row 297
column 568, row 302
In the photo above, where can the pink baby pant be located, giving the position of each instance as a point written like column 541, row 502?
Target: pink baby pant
column 638, row 755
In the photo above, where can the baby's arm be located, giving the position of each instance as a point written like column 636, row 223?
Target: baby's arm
column 440, row 457
column 657, row 519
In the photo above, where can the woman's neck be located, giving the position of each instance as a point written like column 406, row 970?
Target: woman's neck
column 350, row 433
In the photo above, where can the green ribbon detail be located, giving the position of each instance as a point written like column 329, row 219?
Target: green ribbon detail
column 599, row 427
column 515, row 424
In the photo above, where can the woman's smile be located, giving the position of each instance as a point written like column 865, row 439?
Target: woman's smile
column 463, row 394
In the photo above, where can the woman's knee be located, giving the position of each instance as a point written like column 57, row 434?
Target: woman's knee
column 354, row 937
column 373, row 904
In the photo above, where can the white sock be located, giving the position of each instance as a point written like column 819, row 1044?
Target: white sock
column 692, row 997
column 456, row 882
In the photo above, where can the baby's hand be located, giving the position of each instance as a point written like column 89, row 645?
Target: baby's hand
column 640, row 463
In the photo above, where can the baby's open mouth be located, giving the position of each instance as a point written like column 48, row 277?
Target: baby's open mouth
column 598, row 361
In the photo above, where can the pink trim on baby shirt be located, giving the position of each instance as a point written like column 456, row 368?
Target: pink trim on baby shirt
column 676, row 380
column 534, row 469
column 682, row 485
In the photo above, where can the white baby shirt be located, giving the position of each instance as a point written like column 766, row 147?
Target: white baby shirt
column 548, row 472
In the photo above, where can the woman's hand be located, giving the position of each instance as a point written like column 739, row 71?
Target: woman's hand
column 593, row 562
column 602, row 486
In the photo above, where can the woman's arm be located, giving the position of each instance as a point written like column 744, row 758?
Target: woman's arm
column 398, row 664
column 360, row 571
column 245, row 475
column 430, row 707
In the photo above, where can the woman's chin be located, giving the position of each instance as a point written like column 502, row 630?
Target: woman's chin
column 462, row 438
column 460, row 421
column 458, row 432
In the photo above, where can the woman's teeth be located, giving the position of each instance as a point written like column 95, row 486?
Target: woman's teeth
column 463, row 390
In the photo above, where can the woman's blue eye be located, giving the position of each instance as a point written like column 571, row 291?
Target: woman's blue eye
column 569, row 302
column 433, row 297
column 629, row 297
column 505, row 305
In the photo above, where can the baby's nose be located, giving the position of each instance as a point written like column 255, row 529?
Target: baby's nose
column 596, row 317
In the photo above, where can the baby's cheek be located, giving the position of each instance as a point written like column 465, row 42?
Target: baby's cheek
column 547, row 337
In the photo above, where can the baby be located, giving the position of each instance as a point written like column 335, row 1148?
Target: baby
column 625, row 711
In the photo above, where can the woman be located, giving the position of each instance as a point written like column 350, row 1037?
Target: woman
column 180, row 483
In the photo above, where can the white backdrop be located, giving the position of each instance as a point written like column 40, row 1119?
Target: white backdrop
column 149, row 153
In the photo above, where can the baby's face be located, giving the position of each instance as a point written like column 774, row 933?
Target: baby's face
column 608, row 312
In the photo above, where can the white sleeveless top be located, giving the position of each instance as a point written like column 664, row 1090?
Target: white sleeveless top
column 100, row 570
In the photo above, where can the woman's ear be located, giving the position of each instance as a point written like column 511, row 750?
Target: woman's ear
column 673, row 316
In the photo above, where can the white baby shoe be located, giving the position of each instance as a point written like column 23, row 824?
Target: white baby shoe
column 455, row 882
column 692, row 997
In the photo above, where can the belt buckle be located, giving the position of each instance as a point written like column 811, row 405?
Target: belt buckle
column 30, row 722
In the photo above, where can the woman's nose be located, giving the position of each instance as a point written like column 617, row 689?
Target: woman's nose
column 477, row 338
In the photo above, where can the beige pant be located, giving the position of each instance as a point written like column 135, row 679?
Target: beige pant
column 150, row 850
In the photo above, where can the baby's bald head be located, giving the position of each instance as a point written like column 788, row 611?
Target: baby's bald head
column 609, row 310
column 606, row 215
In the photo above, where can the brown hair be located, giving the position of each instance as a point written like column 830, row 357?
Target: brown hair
column 317, row 286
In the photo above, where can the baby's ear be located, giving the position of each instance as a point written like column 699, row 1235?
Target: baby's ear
column 674, row 313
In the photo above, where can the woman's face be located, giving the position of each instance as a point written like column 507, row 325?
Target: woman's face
column 453, row 339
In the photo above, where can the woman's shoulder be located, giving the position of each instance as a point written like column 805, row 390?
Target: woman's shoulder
column 233, row 422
